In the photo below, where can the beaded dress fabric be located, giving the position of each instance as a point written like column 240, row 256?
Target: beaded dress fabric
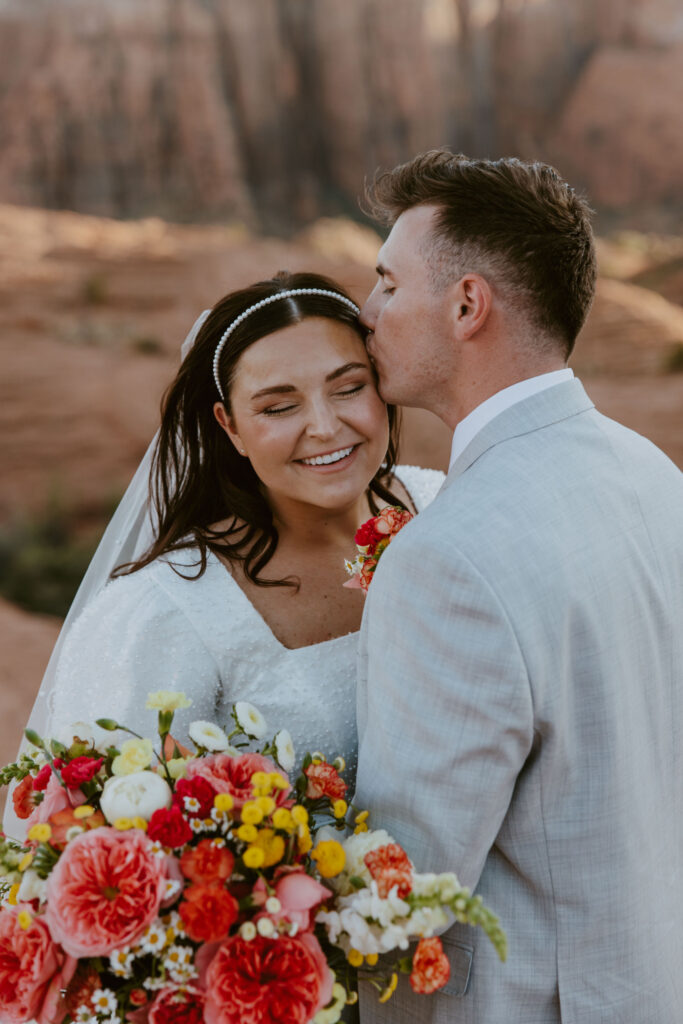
column 155, row 630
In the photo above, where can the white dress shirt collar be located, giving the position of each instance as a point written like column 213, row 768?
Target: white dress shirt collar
column 468, row 428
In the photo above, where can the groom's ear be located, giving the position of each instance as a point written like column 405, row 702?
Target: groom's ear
column 227, row 423
column 472, row 301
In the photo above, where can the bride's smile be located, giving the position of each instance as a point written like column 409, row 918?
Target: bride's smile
column 304, row 409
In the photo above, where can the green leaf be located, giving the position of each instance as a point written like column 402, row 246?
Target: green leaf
column 357, row 882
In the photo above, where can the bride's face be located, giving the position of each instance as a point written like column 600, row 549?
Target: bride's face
column 303, row 395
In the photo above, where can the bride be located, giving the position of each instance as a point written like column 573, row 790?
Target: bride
column 274, row 446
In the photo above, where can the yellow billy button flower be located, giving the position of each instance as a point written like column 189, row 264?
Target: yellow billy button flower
column 300, row 814
column 123, row 824
column 273, row 846
column 223, row 802
column 261, row 780
column 371, row 959
column 12, row 894
column 254, row 857
column 360, row 828
column 265, row 804
column 304, row 842
column 330, row 857
column 84, row 811
column 355, row 958
column 390, row 989
column 363, row 816
column 252, row 814
column 278, row 781
column 247, row 833
column 25, row 920
column 39, row 833
column 140, row 823
column 25, row 861
column 340, row 807
column 282, row 819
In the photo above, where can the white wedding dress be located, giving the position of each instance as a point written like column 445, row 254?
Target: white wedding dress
column 155, row 630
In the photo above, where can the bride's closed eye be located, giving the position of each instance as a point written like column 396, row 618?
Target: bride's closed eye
column 346, row 393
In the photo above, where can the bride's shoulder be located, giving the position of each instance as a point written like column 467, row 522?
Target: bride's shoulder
column 422, row 485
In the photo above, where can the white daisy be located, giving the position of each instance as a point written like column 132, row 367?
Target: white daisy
column 284, row 750
column 84, row 1015
column 209, row 736
column 104, row 1001
column 250, row 720
column 121, row 961
column 177, row 956
column 154, row 938
column 172, row 888
column 191, row 804
column 265, row 927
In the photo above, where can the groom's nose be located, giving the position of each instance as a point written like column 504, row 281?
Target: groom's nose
column 368, row 313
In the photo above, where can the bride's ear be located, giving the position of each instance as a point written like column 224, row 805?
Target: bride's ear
column 227, row 424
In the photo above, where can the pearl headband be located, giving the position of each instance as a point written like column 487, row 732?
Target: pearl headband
column 267, row 302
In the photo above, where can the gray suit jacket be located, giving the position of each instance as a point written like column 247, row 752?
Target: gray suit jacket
column 521, row 721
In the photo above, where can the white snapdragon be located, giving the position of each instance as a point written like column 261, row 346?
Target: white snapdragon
column 209, row 736
column 139, row 794
column 284, row 750
column 250, row 720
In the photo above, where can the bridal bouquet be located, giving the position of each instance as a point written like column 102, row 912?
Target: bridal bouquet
column 372, row 539
column 174, row 887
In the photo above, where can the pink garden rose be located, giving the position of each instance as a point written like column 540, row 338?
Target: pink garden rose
column 104, row 891
column 232, row 774
column 28, row 961
column 266, row 980
column 178, row 1005
column 298, row 894
column 56, row 799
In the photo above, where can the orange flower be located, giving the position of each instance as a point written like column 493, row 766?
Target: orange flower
column 389, row 866
column 431, row 969
column 22, row 798
column 207, row 863
column 62, row 821
column 324, row 780
column 208, row 912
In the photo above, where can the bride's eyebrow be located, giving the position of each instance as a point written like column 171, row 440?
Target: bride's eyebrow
column 286, row 389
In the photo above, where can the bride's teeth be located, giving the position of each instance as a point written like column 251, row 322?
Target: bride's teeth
column 325, row 460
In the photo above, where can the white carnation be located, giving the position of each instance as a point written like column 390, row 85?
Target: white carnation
column 209, row 736
column 356, row 847
column 139, row 794
column 250, row 720
column 284, row 750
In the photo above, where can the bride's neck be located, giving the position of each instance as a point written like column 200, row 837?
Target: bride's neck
column 302, row 524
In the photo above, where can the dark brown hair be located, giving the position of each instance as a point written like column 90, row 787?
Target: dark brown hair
column 198, row 478
column 519, row 222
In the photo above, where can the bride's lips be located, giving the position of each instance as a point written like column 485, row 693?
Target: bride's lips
column 332, row 467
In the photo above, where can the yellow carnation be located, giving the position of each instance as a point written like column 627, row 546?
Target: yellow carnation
column 167, row 700
column 135, row 756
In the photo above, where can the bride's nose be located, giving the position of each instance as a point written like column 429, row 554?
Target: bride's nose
column 322, row 420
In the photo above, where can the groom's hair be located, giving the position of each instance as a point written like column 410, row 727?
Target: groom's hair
column 517, row 224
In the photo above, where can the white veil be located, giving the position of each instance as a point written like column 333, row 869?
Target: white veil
column 128, row 535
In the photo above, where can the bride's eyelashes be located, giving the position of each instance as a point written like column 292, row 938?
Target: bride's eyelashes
column 347, row 393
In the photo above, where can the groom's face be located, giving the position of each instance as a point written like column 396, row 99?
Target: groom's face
column 410, row 338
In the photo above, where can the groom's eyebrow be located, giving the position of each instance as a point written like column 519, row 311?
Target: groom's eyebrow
column 286, row 389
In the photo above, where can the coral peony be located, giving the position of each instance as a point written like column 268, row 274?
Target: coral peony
column 267, row 980
column 389, row 866
column 56, row 798
column 298, row 894
column 29, row 959
column 208, row 912
column 232, row 774
column 175, row 1005
column 431, row 969
column 104, row 891
column 324, row 780
column 65, row 824
column 207, row 863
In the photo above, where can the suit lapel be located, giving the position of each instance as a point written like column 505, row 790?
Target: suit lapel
column 541, row 410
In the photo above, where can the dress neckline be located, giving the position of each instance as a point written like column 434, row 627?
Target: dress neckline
column 218, row 566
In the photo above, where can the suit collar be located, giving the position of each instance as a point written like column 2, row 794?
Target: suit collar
column 540, row 410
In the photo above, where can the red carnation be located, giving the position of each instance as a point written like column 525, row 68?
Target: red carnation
column 208, row 912
column 207, row 863
column 389, row 866
column 41, row 780
column 178, row 1005
column 431, row 969
column 324, row 780
column 80, row 770
column 169, row 827
column 194, row 789
column 367, row 536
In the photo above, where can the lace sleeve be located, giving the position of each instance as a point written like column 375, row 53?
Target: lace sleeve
column 129, row 641
column 422, row 485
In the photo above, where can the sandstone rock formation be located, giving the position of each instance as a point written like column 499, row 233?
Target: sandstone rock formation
column 273, row 111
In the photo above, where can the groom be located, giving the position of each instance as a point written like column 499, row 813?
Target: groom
column 521, row 670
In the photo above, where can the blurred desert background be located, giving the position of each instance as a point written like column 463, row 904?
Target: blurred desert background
column 155, row 156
